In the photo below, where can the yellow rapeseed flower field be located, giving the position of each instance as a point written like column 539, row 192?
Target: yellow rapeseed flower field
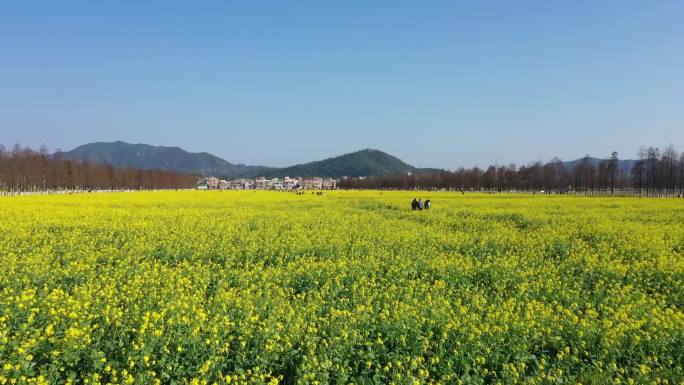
column 347, row 288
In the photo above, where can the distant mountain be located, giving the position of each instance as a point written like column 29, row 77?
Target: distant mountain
column 624, row 165
column 356, row 164
column 143, row 156
column 360, row 163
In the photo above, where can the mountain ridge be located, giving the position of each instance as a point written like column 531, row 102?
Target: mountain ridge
column 146, row 157
column 624, row 165
column 368, row 162
column 362, row 163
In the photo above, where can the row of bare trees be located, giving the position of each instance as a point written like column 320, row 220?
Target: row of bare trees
column 654, row 173
column 23, row 169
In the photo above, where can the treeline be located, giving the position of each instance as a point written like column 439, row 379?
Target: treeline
column 654, row 173
column 23, row 169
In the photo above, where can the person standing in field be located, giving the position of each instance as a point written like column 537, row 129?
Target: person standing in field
column 414, row 204
column 427, row 204
column 420, row 204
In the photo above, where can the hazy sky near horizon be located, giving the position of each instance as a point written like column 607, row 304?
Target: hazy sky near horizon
column 438, row 84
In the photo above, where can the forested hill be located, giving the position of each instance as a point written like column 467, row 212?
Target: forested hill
column 624, row 165
column 360, row 163
column 147, row 157
column 143, row 156
column 364, row 163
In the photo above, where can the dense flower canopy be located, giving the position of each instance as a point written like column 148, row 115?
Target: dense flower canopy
column 348, row 287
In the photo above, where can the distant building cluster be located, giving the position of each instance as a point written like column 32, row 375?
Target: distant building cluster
column 287, row 183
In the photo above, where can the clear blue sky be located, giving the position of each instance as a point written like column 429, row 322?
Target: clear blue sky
column 442, row 84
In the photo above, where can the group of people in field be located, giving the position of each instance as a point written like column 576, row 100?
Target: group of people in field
column 418, row 204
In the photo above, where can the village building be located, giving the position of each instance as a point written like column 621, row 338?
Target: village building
column 318, row 183
column 290, row 183
column 212, row 182
column 329, row 184
column 261, row 183
column 276, row 184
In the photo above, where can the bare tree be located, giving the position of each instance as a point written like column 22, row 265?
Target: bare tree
column 23, row 169
column 653, row 173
